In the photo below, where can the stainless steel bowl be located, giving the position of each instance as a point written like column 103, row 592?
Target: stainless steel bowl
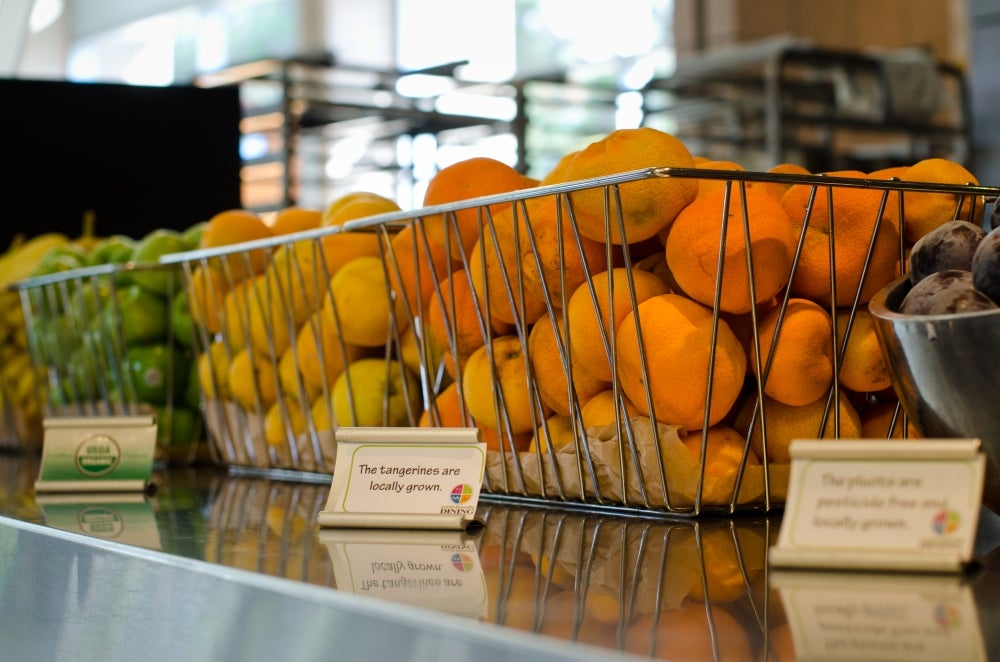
column 946, row 372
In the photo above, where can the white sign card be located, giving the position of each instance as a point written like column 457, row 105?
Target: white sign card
column 410, row 478
column 881, row 505
column 867, row 616
column 97, row 453
column 436, row 570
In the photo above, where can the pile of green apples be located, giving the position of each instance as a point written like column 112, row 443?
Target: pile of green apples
column 120, row 340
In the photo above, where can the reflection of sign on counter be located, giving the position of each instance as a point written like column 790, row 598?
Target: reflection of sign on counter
column 431, row 569
column 855, row 616
column 123, row 517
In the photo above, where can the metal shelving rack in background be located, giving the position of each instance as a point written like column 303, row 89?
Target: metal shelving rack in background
column 785, row 100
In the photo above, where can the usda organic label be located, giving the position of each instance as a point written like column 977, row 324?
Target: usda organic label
column 97, row 453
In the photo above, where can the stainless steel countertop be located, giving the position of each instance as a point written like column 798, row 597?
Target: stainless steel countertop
column 217, row 566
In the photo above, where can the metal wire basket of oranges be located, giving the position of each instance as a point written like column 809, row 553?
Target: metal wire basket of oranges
column 610, row 358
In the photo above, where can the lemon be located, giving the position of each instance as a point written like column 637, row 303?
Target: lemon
column 373, row 392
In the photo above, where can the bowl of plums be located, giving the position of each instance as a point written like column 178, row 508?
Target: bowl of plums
column 939, row 329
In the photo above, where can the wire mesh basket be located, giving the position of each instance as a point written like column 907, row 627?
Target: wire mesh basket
column 481, row 331
column 115, row 340
column 20, row 407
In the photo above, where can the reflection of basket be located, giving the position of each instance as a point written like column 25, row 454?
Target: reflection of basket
column 630, row 464
column 94, row 363
column 670, row 590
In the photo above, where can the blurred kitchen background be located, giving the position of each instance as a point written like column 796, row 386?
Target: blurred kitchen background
column 336, row 95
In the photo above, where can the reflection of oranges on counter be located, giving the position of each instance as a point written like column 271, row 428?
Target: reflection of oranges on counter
column 684, row 634
column 732, row 558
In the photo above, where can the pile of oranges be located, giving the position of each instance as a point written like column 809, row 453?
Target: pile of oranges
column 718, row 307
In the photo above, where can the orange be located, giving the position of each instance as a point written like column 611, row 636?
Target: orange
column 778, row 189
column 599, row 411
column 557, row 432
column 495, row 386
column 213, row 371
column 415, row 265
column 463, row 180
column 677, row 348
column 876, row 421
column 283, row 422
column 359, row 305
column 732, row 557
column 236, row 314
column 709, row 185
column 206, row 294
column 296, row 219
column 236, row 226
column 785, row 424
column 552, row 256
column 693, row 245
column 686, row 634
column 925, row 211
column 801, row 365
column 554, row 367
column 597, row 308
column 271, row 325
column 320, row 363
column 448, row 411
column 557, row 174
column 862, row 366
column 293, row 385
column 724, row 450
column 253, row 380
column 647, row 205
column 296, row 276
column 494, row 269
column 453, row 320
column 855, row 212
column 339, row 248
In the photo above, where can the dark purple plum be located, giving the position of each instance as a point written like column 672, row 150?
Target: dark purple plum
column 995, row 216
column 916, row 300
column 950, row 245
column 954, row 300
column 986, row 266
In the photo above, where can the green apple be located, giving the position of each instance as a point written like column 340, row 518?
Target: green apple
column 180, row 320
column 143, row 315
column 193, row 235
column 116, row 249
column 65, row 257
column 162, row 279
column 192, row 391
column 176, row 426
column 155, row 369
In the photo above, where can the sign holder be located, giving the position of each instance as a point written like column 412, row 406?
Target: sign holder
column 881, row 505
column 405, row 478
column 97, row 454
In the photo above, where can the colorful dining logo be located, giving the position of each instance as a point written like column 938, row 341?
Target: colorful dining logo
column 461, row 493
column 462, row 561
column 945, row 522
